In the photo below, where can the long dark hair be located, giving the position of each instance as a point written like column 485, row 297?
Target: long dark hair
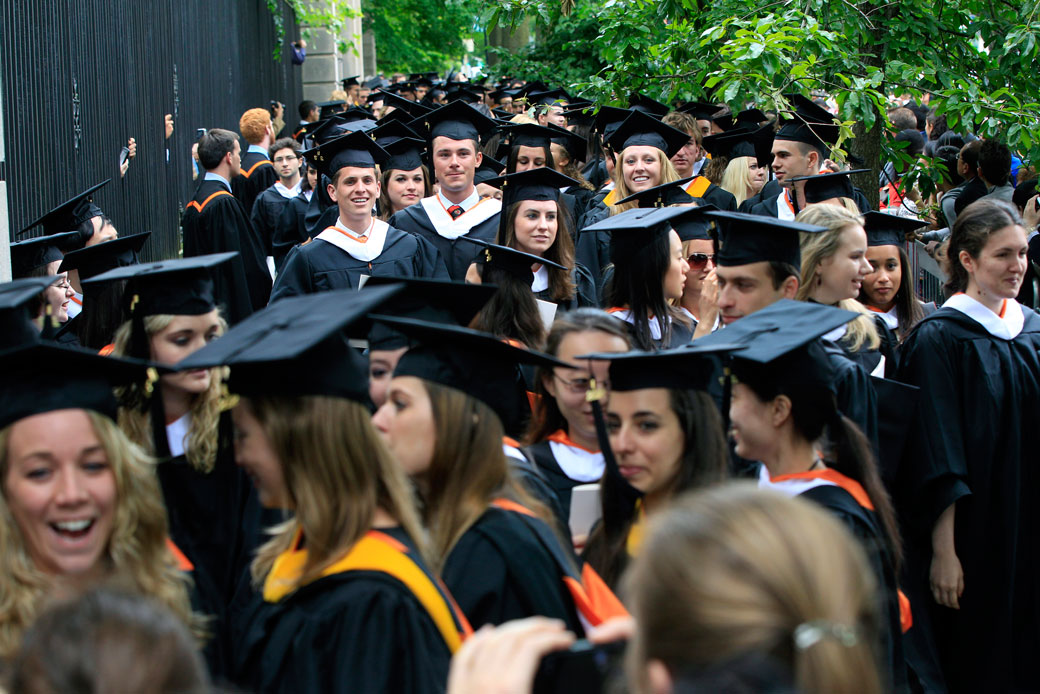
column 386, row 208
column 561, row 283
column 908, row 309
column 101, row 316
column 514, row 152
column 638, row 284
column 814, row 412
column 512, row 312
column 974, row 225
column 546, row 417
column 704, row 461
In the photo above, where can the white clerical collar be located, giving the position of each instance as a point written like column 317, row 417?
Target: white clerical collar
column 541, row 280
column 1007, row 325
column 466, row 204
column 287, row 192
column 210, row 176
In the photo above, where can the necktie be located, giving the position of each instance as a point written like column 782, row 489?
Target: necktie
column 455, row 211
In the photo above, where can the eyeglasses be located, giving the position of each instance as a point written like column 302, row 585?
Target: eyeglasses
column 699, row 260
column 279, row 160
column 580, row 386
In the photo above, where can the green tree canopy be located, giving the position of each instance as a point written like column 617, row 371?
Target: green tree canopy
column 419, row 35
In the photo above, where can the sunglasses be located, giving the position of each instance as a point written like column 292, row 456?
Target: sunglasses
column 699, row 260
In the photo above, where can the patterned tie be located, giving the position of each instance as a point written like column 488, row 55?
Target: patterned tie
column 455, row 211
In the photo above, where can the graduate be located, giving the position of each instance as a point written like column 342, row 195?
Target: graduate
column 357, row 245
column 291, row 228
column 170, row 312
column 888, row 289
column 782, row 403
column 256, row 173
column 969, row 496
column 698, row 185
column 22, row 304
column 456, row 210
column 346, row 598
column 443, row 421
column 747, row 155
column 215, row 222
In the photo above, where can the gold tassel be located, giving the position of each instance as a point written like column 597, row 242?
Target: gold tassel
column 595, row 391
column 151, row 378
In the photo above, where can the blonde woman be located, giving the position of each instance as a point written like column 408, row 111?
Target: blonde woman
column 346, row 599
column 744, row 178
column 79, row 501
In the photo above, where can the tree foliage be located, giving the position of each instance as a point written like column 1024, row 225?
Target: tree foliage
column 420, row 35
column 325, row 14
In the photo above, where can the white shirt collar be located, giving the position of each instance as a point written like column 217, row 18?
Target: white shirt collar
column 541, row 280
column 210, row 176
column 177, row 434
column 287, row 192
column 258, row 149
column 466, row 204
column 1005, row 327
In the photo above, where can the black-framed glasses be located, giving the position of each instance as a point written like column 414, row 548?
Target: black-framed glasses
column 699, row 260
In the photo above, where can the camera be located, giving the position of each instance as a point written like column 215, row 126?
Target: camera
column 581, row 669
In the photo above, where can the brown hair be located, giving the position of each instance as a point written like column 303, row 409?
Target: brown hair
column 561, row 284
column 253, row 125
column 736, row 570
column 284, row 143
column 685, row 122
column 386, row 208
column 908, row 309
column 337, row 472
column 975, row 224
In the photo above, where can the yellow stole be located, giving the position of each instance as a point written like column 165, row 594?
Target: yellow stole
column 698, row 186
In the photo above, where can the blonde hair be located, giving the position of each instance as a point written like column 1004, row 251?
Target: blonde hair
column 734, row 571
column 200, row 445
column 136, row 550
column 862, row 333
column 337, row 472
column 621, row 191
column 737, row 178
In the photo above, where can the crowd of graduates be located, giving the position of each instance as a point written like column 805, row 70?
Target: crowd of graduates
column 474, row 388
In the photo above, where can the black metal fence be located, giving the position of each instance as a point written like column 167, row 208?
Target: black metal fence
column 80, row 77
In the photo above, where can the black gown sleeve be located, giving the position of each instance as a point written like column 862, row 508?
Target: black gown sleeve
column 428, row 262
column 295, row 278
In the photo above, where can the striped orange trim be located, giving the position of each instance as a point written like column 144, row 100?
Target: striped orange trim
column 359, row 239
column 698, row 186
column 76, row 301
column 107, row 349
column 205, row 202
column 252, row 168
column 183, row 563
column 560, row 436
column 510, row 442
column 854, row 488
column 507, row 505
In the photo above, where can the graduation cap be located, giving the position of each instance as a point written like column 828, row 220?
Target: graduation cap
column 353, row 149
column 573, row 144
column 700, row 110
column 696, row 226
column 478, row 364
column 506, row 259
column 550, row 97
column 399, row 87
column 888, row 229
column 94, row 260
column 374, row 83
column 582, row 115
column 748, row 238
column 808, row 110
column 489, row 169
column 325, row 130
column 499, row 94
column 436, row 301
column 756, row 143
column 750, row 118
column 354, row 113
column 641, row 129
column 405, row 154
column 811, row 124
column 390, row 130
column 456, row 121
column 465, row 94
column 349, row 82
column 70, row 214
column 609, row 119
column 16, row 326
column 296, row 347
column 306, row 130
column 633, row 230
column 533, row 88
column 639, row 102
column 501, row 115
column 687, row 368
column 782, row 343
column 43, row 378
column 666, row 194
column 542, row 183
column 412, row 108
column 330, row 108
column 825, row 186
column 34, row 253
column 528, row 135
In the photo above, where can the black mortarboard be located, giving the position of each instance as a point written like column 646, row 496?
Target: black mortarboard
column 633, row 230
column 330, row 108
column 542, row 183
column 750, row 118
column 689, row 368
column 34, row 253
column 436, row 301
column 749, row 238
column 501, row 115
column 808, row 110
column 349, row 82
column 582, row 115
column 43, row 378
column 398, row 115
column 888, row 229
column 810, row 124
column 533, row 88
column 355, row 113
column 399, row 87
column 547, row 98
column 528, row 135
column 489, row 168
column 70, row 214
column 325, row 130
column 456, row 121
column 666, row 194
column 609, row 119
column 478, row 364
column 782, row 343
column 824, row 186
column 465, row 94
column 641, row 129
column 696, row 226
column 388, row 131
column 574, row 144
column 405, row 154
column 352, row 149
column 94, row 260
column 700, row 110
column 500, row 94
column 306, row 129
column 509, row 260
column 638, row 102
column 756, row 143
column 296, row 347
column 16, row 326
column 374, row 83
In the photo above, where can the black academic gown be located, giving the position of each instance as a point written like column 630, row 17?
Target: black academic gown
column 720, row 198
column 976, row 447
column 770, row 190
column 585, row 294
column 854, row 391
column 265, row 215
column 290, row 230
column 256, row 175
column 320, row 266
column 555, row 477
column 356, row 631
column 500, row 569
column 215, row 222
column 457, row 255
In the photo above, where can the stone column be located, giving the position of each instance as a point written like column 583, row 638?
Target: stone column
column 325, row 65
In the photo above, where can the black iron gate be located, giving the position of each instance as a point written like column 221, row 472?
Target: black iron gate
column 80, row 77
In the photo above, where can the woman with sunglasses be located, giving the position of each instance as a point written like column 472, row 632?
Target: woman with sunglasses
column 701, row 291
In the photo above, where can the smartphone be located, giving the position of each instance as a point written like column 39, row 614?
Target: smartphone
column 199, row 133
column 124, row 154
column 581, row 669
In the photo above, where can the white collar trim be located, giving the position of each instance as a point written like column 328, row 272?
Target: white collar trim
column 365, row 248
column 1006, row 328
